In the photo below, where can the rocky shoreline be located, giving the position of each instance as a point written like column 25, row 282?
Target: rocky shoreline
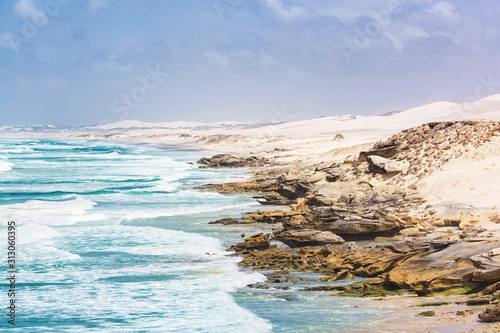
column 365, row 216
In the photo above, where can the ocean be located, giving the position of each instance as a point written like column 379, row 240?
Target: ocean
column 115, row 238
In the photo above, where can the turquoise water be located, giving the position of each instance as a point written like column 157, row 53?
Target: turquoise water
column 114, row 238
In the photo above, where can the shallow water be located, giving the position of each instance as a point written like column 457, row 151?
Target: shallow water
column 112, row 237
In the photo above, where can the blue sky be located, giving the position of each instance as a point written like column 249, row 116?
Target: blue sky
column 84, row 62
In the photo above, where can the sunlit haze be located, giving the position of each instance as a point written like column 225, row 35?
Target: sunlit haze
column 90, row 62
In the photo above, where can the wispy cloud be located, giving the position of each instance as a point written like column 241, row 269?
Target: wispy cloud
column 347, row 10
column 27, row 9
column 402, row 34
column 259, row 58
column 289, row 13
column 446, row 11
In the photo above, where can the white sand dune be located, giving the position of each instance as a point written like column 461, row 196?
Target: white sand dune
column 487, row 108
column 131, row 124
column 467, row 185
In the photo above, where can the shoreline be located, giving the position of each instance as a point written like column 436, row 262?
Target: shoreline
column 442, row 321
column 388, row 208
column 400, row 314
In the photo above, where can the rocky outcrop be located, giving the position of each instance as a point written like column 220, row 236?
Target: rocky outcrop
column 349, row 224
column 488, row 266
column 276, row 216
column 240, row 187
column 293, row 185
column 362, row 229
column 382, row 165
column 340, row 261
column 256, row 242
column 370, row 197
column 275, row 198
column 226, row 221
column 451, row 267
column 423, row 266
column 428, row 146
column 341, row 185
column 480, row 300
column 234, row 161
column 334, row 173
column 491, row 314
column 387, row 150
column 306, row 237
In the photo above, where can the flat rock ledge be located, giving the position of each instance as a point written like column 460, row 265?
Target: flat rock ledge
column 234, row 161
column 307, row 237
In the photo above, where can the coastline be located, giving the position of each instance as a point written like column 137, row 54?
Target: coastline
column 292, row 179
column 465, row 308
column 400, row 314
column 442, row 321
column 274, row 166
column 199, row 223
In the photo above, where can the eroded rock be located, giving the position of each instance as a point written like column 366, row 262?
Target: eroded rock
column 234, row 161
column 379, row 164
column 306, row 237
column 256, row 242
column 491, row 314
column 434, row 271
column 488, row 266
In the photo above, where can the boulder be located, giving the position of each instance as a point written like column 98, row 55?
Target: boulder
column 386, row 152
column 306, row 183
column 353, row 224
column 328, row 194
column 411, row 232
column 256, row 242
column 306, row 237
column 376, row 164
column 333, row 174
column 291, row 191
column 468, row 223
column 275, row 198
column 488, row 266
column 480, row 300
column 383, row 165
column 492, row 288
column 325, row 196
column 490, row 314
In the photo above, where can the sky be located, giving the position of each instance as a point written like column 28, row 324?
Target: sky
column 88, row 62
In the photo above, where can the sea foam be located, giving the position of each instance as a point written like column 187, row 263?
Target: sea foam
column 5, row 166
column 80, row 259
column 51, row 212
